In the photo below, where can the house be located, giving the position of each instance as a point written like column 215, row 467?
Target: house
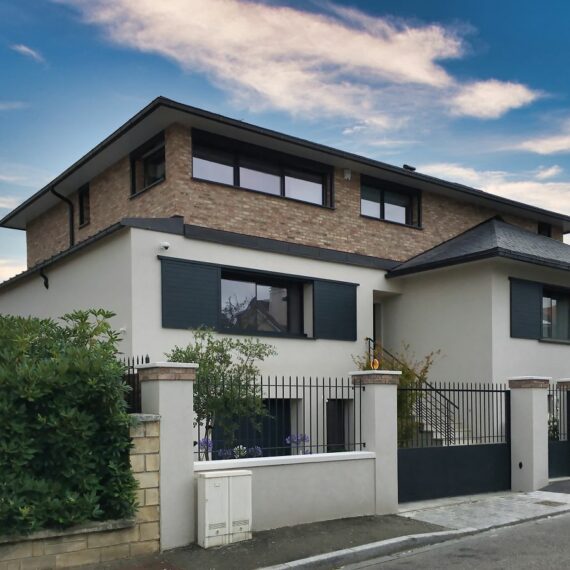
column 184, row 218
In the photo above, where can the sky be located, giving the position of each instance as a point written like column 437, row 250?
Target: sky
column 473, row 91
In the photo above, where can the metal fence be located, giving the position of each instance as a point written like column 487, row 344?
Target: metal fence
column 294, row 416
column 131, row 378
column 557, row 413
column 443, row 414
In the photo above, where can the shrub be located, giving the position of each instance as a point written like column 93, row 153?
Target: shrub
column 225, row 389
column 64, row 434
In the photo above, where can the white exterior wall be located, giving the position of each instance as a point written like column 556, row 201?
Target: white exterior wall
column 289, row 491
column 306, row 357
column 447, row 310
column 518, row 356
column 98, row 277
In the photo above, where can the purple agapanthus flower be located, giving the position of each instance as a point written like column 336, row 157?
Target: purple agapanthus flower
column 254, row 451
column 225, row 453
column 297, row 439
column 205, row 444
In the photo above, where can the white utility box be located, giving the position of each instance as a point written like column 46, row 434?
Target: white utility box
column 224, row 507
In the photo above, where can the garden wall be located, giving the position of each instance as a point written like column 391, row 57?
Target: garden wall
column 101, row 541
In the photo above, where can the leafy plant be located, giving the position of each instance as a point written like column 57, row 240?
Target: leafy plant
column 64, row 440
column 553, row 428
column 414, row 374
column 226, row 388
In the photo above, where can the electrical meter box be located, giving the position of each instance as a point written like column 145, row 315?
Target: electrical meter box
column 224, row 507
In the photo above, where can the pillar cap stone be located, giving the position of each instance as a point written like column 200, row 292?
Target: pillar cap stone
column 542, row 382
column 366, row 377
column 167, row 371
column 563, row 383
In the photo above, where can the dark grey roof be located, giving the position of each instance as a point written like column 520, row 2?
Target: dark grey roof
column 493, row 238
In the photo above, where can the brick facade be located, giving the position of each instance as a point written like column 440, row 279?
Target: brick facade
column 101, row 542
column 227, row 208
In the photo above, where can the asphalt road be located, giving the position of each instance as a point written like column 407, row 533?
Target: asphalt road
column 543, row 544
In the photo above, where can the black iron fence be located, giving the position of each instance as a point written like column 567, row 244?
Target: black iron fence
column 294, row 416
column 557, row 413
column 443, row 414
column 131, row 377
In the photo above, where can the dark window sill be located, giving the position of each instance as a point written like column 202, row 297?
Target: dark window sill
column 411, row 226
column 264, row 333
column 554, row 341
column 84, row 225
column 232, row 186
column 143, row 190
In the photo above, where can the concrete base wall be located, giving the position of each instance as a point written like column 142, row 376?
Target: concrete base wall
column 303, row 489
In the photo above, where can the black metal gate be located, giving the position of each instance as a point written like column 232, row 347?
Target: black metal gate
column 453, row 440
column 558, row 445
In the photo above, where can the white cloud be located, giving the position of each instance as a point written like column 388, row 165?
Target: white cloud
column 555, row 144
column 12, row 105
column 553, row 196
column 545, row 172
column 10, row 267
column 27, row 51
column 491, row 99
column 341, row 63
column 8, row 202
column 25, row 175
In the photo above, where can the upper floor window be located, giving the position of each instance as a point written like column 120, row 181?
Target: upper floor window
column 148, row 165
column 544, row 229
column 84, row 205
column 226, row 161
column 556, row 314
column 389, row 202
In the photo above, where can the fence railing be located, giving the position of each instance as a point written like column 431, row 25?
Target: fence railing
column 557, row 413
column 481, row 414
column 298, row 416
column 131, row 377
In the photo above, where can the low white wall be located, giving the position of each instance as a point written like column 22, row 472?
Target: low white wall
column 301, row 489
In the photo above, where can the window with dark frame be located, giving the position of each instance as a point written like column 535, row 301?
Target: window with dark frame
column 544, row 229
column 389, row 202
column 84, row 205
column 556, row 314
column 230, row 162
column 260, row 304
column 148, row 165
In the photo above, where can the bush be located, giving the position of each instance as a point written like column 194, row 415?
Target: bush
column 64, row 434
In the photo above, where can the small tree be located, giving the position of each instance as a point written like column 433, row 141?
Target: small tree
column 225, row 388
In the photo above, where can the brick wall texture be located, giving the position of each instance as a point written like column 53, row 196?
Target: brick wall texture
column 76, row 549
column 227, row 208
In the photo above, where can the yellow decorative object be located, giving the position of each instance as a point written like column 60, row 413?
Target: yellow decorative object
column 375, row 364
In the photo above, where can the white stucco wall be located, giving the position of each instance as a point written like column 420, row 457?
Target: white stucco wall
column 295, row 356
column 97, row 277
column 448, row 310
column 516, row 356
column 307, row 489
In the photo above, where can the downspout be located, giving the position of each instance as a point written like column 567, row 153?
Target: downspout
column 71, row 214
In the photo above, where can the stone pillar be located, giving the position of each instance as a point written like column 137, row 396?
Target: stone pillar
column 379, row 422
column 529, row 432
column 167, row 390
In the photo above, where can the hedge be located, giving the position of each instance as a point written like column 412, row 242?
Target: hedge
column 64, row 428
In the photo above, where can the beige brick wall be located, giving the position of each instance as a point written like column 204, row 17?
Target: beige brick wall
column 76, row 547
column 221, row 207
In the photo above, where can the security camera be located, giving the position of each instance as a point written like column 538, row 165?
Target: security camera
column 164, row 245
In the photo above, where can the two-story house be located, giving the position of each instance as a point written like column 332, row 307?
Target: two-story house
column 183, row 218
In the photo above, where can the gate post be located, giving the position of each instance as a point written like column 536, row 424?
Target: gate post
column 167, row 390
column 529, row 432
column 379, row 422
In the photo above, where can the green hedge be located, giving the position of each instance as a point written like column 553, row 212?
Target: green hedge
column 64, row 428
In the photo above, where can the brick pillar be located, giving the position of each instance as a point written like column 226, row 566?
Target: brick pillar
column 379, row 422
column 167, row 390
column 529, row 432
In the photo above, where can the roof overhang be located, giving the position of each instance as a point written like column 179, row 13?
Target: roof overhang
column 163, row 112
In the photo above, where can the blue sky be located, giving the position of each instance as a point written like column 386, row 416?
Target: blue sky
column 472, row 91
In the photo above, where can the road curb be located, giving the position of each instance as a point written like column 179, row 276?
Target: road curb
column 372, row 550
column 394, row 545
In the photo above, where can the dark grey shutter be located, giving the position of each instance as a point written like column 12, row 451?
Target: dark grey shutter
column 334, row 310
column 190, row 294
column 526, row 309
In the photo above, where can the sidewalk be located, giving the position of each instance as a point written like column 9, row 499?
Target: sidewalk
column 332, row 544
